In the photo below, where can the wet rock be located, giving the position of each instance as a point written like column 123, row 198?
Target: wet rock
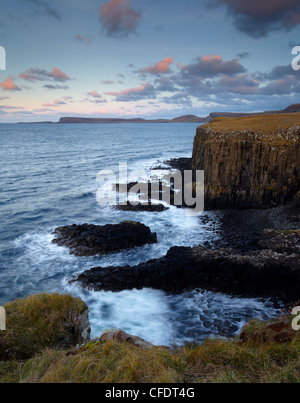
column 91, row 240
column 281, row 241
column 164, row 183
column 150, row 208
column 257, row 273
column 182, row 164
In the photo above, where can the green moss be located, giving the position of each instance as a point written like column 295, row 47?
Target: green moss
column 38, row 322
column 290, row 232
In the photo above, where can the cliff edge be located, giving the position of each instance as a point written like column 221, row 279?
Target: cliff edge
column 249, row 162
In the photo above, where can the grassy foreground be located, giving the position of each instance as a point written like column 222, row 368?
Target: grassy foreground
column 264, row 353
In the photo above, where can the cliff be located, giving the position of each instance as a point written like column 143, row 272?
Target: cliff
column 249, row 162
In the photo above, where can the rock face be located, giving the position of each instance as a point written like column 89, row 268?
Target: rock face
column 257, row 273
column 249, row 162
column 122, row 336
column 91, row 240
column 257, row 332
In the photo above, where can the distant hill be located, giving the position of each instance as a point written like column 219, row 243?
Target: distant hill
column 181, row 119
column 291, row 109
column 69, row 120
column 189, row 119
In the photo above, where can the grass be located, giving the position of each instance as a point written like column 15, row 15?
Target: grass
column 37, row 322
column 263, row 123
column 215, row 361
column 264, row 353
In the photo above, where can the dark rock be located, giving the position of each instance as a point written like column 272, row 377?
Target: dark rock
column 122, row 337
column 182, row 164
column 90, row 240
column 257, row 273
column 281, row 241
column 243, row 229
column 152, row 208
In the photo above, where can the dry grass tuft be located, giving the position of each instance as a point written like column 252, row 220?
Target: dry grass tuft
column 39, row 322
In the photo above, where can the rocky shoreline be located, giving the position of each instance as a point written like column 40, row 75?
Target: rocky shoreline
column 256, row 255
column 272, row 272
column 258, row 251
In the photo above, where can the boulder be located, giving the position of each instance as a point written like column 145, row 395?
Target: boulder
column 121, row 336
column 91, row 240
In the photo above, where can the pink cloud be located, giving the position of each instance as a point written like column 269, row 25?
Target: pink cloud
column 118, row 18
column 9, row 85
column 55, row 103
column 209, row 58
column 95, row 94
column 162, row 67
column 37, row 74
column 144, row 91
column 58, row 75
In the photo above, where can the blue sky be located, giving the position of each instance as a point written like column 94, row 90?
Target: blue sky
column 141, row 58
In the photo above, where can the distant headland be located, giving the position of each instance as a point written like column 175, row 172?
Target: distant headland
column 181, row 119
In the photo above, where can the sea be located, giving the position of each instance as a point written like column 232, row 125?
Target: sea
column 48, row 179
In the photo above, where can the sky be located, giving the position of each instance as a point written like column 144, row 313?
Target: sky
column 143, row 58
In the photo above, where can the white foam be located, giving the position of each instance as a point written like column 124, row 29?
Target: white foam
column 165, row 319
column 143, row 313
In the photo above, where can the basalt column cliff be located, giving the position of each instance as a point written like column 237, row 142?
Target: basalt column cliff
column 249, row 162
